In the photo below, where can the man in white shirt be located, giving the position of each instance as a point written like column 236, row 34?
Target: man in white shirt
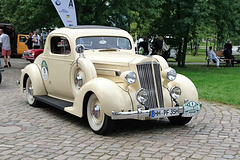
column 6, row 48
column 36, row 40
column 212, row 56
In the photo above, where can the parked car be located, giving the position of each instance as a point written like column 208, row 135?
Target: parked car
column 236, row 53
column 21, row 46
column 93, row 72
column 32, row 54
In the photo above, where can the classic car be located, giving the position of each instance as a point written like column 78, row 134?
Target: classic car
column 93, row 72
column 236, row 53
column 32, row 54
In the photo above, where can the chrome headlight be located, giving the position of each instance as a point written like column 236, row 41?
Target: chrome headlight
column 175, row 92
column 171, row 74
column 130, row 77
column 31, row 54
column 142, row 95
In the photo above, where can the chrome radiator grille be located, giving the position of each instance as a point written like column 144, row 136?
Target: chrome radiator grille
column 150, row 79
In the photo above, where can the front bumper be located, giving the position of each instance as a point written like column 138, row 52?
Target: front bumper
column 189, row 109
column 28, row 57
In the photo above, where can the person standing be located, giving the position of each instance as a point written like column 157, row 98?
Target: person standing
column 6, row 48
column 145, row 46
column 212, row 56
column 36, row 40
column 228, row 53
column 29, row 41
column 159, row 45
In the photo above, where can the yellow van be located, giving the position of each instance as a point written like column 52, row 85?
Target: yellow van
column 21, row 46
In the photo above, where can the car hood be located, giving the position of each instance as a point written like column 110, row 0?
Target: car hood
column 113, row 58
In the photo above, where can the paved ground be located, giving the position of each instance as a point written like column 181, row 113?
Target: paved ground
column 47, row 133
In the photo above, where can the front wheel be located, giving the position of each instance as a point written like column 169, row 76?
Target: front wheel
column 29, row 93
column 179, row 120
column 99, row 122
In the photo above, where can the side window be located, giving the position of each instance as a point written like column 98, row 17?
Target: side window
column 22, row 39
column 60, row 45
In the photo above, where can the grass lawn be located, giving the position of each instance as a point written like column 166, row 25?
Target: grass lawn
column 199, row 57
column 196, row 58
column 214, row 84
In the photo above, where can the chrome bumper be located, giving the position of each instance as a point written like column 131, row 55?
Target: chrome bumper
column 156, row 113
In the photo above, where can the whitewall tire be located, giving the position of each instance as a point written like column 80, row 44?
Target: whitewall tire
column 29, row 93
column 99, row 122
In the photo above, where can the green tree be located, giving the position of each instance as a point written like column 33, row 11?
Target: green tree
column 26, row 15
column 179, row 19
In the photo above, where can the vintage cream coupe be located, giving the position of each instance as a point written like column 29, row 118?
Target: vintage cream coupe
column 93, row 72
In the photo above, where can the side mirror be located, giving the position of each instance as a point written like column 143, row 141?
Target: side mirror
column 80, row 49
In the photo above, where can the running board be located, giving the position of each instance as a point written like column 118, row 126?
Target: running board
column 57, row 103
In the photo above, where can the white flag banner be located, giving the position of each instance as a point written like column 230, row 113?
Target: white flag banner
column 66, row 11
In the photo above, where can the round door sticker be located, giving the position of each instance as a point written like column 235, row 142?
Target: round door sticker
column 44, row 70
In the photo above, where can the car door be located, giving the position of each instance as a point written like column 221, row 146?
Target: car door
column 57, row 64
column 21, row 46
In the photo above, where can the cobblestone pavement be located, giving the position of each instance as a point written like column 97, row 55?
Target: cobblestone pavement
column 47, row 133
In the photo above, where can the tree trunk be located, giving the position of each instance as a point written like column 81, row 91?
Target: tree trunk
column 180, row 54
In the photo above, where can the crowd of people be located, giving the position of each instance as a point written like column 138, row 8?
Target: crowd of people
column 159, row 47
column 33, row 42
column 227, row 52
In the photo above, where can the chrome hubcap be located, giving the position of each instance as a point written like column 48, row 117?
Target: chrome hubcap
column 96, row 111
column 78, row 82
column 30, row 89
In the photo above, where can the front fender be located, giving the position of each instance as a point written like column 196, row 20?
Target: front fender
column 188, row 89
column 110, row 95
column 34, row 73
column 161, row 61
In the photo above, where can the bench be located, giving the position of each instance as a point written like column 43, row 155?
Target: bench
column 220, row 55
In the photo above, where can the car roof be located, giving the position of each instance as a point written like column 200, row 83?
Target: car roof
column 90, row 30
column 91, row 27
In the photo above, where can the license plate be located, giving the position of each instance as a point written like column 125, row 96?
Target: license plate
column 164, row 112
column 191, row 108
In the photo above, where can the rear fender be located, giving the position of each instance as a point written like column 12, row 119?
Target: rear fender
column 33, row 72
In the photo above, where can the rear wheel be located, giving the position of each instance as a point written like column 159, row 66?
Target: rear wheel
column 99, row 122
column 179, row 120
column 29, row 93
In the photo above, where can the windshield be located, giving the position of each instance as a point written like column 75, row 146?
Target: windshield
column 104, row 43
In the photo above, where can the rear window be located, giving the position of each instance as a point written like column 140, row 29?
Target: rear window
column 60, row 45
